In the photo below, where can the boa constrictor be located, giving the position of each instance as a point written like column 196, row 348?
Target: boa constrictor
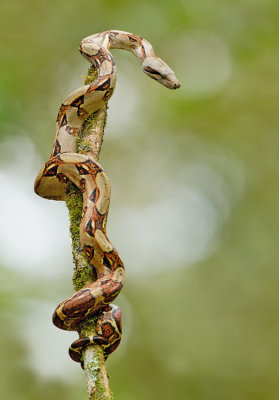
column 65, row 165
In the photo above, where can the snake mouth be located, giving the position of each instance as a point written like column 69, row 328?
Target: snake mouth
column 172, row 85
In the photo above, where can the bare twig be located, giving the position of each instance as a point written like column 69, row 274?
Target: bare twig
column 89, row 143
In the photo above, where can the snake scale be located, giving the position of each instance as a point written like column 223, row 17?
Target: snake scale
column 66, row 165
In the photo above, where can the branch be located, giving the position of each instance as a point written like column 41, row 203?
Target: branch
column 89, row 143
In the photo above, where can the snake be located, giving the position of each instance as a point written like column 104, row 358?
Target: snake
column 66, row 166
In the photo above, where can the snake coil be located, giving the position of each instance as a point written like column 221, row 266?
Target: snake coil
column 65, row 165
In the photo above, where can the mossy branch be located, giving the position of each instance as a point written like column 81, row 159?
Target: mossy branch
column 89, row 143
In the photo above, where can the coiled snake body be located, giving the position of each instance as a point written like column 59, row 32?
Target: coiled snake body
column 65, row 165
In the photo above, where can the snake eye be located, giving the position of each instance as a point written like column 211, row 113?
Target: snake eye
column 152, row 71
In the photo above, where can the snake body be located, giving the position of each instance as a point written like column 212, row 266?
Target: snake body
column 66, row 165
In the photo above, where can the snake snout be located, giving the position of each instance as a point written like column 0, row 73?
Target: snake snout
column 173, row 84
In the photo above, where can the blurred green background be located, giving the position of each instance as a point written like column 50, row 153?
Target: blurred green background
column 194, row 211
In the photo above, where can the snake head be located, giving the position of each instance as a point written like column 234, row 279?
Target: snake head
column 157, row 69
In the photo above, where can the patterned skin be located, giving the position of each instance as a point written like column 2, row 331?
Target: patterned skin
column 65, row 165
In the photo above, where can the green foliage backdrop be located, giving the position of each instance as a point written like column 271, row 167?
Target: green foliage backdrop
column 194, row 210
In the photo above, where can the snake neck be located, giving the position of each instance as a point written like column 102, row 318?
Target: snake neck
column 115, row 39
